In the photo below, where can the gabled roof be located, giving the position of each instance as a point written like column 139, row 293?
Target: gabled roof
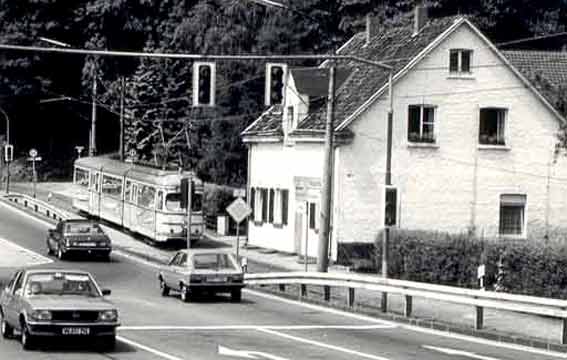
column 268, row 124
column 545, row 70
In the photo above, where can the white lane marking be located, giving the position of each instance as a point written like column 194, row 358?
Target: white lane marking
column 248, row 354
column 147, row 348
column 323, row 345
column 440, row 333
column 459, row 353
column 434, row 332
column 14, row 255
column 255, row 327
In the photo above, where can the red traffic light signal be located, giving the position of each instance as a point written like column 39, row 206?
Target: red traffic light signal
column 204, row 74
column 275, row 83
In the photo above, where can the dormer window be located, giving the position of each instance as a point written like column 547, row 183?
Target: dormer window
column 460, row 61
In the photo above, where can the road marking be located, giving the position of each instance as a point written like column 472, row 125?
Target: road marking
column 257, row 327
column 459, row 353
column 248, row 354
column 147, row 348
column 14, row 255
column 323, row 345
column 434, row 332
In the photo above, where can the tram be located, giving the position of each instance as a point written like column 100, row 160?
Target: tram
column 141, row 199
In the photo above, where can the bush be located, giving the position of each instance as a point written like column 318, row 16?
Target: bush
column 216, row 199
column 530, row 267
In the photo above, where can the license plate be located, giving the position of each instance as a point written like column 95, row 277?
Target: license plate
column 217, row 279
column 87, row 244
column 76, row 331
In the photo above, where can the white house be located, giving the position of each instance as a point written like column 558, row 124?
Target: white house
column 474, row 135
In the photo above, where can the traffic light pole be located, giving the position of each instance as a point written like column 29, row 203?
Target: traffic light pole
column 92, row 143
column 188, row 212
column 323, row 250
column 7, row 143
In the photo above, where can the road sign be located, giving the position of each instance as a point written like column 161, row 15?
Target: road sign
column 36, row 158
column 239, row 210
column 33, row 153
column 239, row 192
column 8, row 153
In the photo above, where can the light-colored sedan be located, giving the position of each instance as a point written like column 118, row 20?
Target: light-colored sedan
column 57, row 303
column 202, row 271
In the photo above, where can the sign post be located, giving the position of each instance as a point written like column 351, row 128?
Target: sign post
column 8, row 158
column 33, row 158
column 238, row 210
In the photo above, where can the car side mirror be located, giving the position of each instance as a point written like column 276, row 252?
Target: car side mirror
column 106, row 292
column 18, row 292
column 51, row 231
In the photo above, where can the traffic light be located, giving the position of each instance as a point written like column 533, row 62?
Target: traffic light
column 187, row 187
column 391, row 207
column 204, row 74
column 8, row 153
column 275, row 79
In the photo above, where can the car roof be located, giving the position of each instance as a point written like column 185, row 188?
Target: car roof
column 205, row 251
column 79, row 220
column 51, row 270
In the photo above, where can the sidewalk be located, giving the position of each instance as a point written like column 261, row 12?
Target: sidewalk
column 499, row 325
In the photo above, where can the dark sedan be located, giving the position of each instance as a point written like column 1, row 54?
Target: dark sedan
column 78, row 236
column 56, row 302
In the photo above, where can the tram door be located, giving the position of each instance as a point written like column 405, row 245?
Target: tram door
column 94, row 200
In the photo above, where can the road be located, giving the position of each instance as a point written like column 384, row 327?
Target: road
column 261, row 327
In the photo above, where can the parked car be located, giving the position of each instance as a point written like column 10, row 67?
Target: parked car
column 193, row 272
column 57, row 303
column 78, row 236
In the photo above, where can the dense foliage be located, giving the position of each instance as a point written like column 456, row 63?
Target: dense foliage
column 161, row 124
column 533, row 267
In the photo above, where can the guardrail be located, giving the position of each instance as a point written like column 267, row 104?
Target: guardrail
column 39, row 206
column 480, row 299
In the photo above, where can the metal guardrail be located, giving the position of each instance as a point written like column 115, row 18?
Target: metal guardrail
column 480, row 299
column 39, row 206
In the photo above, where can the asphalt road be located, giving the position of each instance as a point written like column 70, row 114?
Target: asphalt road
column 261, row 327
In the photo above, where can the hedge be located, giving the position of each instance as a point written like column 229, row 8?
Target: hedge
column 531, row 267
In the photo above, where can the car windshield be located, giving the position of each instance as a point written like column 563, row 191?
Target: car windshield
column 214, row 261
column 60, row 284
column 82, row 228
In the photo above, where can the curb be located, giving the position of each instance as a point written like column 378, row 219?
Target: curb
column 491, row 335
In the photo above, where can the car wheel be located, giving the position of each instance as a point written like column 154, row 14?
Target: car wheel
column 60, row 253
column 27, row 339
column 108, row 343
column 164, row 289
column 6, row 329
column 184, row 293
column 236, row 295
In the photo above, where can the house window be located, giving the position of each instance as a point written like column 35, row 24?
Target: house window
column 460, row 61
column 421, row 121
column 492, row 126
column 277, row 207
column 271, row 206
column 313, row 218
column 258, row 205
column 285, row 205
column 512, row 214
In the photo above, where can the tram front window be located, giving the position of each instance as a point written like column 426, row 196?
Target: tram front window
column 173, row 202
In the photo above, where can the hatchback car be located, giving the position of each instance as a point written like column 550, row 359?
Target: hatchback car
column 193, row 272
column 78, row 236
column 57, row 303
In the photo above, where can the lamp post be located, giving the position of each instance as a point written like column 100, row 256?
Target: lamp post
column 8, row 160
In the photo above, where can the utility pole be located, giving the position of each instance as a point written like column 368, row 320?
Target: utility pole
column 388, row 177
column 92, row 142
column 121, row 145
column 326, row 188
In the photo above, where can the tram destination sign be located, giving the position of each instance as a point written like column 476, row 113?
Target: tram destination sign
column 239, row 210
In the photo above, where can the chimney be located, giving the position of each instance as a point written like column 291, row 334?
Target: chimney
column 420, row 19
column 372, row 28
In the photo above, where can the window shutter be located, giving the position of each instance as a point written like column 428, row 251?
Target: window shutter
column 285, row 198
column 252, row 200
column 271, row 208
column 264, row 205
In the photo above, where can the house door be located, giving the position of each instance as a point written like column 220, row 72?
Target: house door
column 310, row 238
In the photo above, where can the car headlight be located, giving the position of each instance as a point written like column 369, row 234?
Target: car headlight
column 67, row 242
column 108, row 315
column 41, row 315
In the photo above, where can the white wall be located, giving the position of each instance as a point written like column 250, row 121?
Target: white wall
column 437, row 184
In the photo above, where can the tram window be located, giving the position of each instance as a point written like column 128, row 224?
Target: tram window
column 111, row 186
column 159, row 204
column 134, row 193
column 146, row 196
column 127, row 190
column 96, row 183
column 81, row 177
column 173, row 202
